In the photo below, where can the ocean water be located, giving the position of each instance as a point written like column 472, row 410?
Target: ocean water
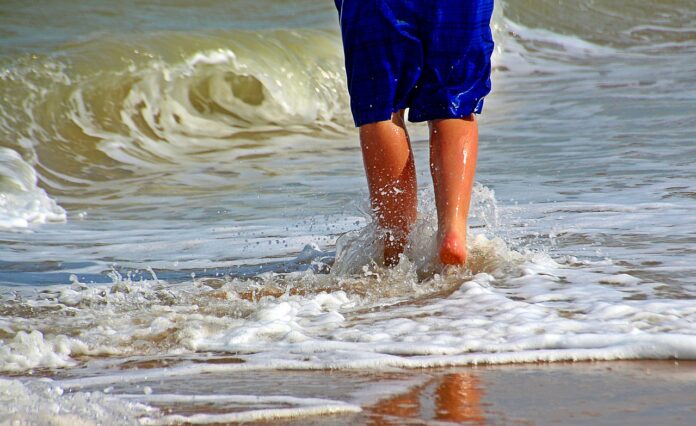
column 182, row 200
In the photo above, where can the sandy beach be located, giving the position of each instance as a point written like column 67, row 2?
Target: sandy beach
column 601, row 393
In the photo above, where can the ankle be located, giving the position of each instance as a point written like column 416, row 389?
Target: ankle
column 453, row 247
column 394, row 245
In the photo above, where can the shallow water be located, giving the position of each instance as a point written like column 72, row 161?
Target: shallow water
column 182, row 196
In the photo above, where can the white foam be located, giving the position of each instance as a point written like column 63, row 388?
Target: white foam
column 479, row 323
column 221, row 56
column 30, row 350
column 46, row 404
column 22, row 202
column 253, row 415
column 240, row 399
column 304, row 407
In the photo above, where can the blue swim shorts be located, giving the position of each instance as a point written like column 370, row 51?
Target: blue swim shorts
column 431, row 56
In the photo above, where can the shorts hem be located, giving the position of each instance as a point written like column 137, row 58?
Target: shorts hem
column 420, row 114
column 375, row 115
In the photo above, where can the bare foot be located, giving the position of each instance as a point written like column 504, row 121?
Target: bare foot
column 453, row 248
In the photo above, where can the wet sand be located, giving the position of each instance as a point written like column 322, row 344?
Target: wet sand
column 616, row 393
column 606, row 393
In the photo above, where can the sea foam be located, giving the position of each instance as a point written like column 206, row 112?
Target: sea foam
column 22, row 202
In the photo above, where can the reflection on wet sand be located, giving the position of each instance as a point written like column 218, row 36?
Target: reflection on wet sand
column 452, row 398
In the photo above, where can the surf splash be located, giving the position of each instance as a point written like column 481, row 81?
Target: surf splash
column 22, row 202
column 510, row 304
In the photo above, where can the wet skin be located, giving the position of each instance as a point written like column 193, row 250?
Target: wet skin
column 391, row 177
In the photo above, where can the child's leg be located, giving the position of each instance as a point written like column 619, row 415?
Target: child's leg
column 453, row 149
column 391, row 178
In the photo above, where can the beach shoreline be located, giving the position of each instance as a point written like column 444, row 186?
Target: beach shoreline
column 643, row 392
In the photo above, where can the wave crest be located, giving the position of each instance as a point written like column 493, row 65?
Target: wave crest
column 156, row 99
column 22, row 202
